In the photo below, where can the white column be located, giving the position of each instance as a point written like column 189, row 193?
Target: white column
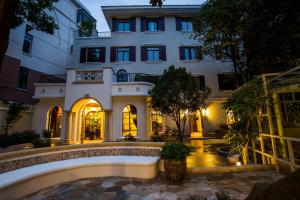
column 69, row 128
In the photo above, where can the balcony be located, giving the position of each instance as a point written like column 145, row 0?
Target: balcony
column 94, row 34
column 132, row 84
column 124, row 77
column 90, row 76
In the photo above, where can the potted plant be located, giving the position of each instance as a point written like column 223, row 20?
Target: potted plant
column 174, row 156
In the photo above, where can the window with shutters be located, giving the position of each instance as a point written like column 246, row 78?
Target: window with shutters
column 123, row 25
column 92, row 54
column 152, row 25
column 190, row 53
column 123, row 54
column 153, row 54
column 187, row 25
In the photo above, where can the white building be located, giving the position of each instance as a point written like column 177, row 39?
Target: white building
column 32, row 55
column 106, row 91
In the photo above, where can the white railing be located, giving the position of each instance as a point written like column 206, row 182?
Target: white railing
column 88, row 76
column 271, row 156
column 94, row 34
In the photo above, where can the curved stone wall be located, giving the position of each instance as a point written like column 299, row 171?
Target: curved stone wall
column 13, row 161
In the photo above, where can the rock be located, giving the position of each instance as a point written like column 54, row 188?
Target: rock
column 287, row 188
column 122, row 195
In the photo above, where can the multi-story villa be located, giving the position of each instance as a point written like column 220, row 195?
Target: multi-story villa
column 32, row 55
column 106, row 91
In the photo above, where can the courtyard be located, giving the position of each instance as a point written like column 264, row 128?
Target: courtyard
column 194, row 187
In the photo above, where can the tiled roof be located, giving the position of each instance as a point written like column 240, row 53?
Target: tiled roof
column 145, row 3
column 169, row 5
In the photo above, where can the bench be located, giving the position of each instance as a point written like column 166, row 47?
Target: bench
column 21, row 182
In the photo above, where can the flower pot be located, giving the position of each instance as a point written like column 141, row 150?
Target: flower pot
column 233, row 159
column 175, row 169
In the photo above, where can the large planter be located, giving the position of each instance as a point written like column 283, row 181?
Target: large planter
column 233, row 159
column 175, row 170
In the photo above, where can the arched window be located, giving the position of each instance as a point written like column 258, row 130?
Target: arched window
column 129, row 120
column 54, row 121
column 122, row 76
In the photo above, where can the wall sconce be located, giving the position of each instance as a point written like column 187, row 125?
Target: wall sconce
column 204, row 112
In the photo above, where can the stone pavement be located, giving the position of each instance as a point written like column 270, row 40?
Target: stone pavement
column 195, row 187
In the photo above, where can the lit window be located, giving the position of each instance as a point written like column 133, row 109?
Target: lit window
column 23, row 77
column 129, row 121
column 187, row 26
column 157, row 122
column 54, row 121
column 123, row 54
column 123, row 25
column 153, row 54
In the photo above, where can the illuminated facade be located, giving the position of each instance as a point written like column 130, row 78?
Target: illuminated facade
column 105, row 95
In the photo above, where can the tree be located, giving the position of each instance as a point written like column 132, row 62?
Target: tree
column 15, row 12
column 219, row 29
column 86, row 28
column 156, row 2
column 177, row 94
column 13, row 115
column 272, row 38
column 258, row 36
column 244, row 105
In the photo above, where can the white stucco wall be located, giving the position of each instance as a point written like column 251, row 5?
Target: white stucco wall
column 50, row 54
column 39, row 119
column 171, row 38
column 118, row 105
column 99, row 91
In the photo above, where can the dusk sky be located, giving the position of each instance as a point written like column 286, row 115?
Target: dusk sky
column 94, row 7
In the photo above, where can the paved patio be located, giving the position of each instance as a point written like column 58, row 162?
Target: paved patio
column 195, row 187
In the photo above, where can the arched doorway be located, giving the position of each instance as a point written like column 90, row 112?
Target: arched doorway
column 54, row 121
column 87, row 121
column 129, row 121
column 92, row 121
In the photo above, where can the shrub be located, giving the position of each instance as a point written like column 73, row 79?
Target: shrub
column 157, row 137
column 18, row 138
column 46, row 134
column 39, row 143
column 176, row 151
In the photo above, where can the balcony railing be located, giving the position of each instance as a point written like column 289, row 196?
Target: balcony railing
column 135, row 77
column 89, row 76
column 57, row 78
column 93, row 34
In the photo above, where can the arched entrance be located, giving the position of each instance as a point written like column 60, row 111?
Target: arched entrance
column 87, row 121
column 54, row 121
column 91, row 116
